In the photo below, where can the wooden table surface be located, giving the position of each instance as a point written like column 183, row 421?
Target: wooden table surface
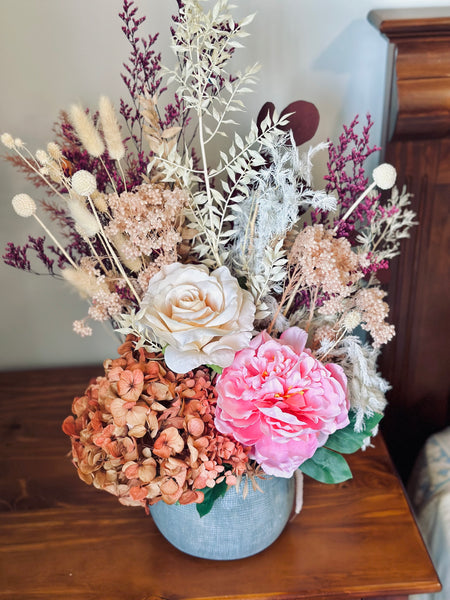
column 64, row 540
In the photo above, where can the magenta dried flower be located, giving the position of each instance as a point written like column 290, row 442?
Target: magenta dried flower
column 18, row 256
column 346, row 175
column 142, row 71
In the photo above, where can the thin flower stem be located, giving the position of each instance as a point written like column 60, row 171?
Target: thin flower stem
column 206, row 173
column 94, row 252
column 226, row 108
column 355, row 204
column 122, row 175
column 286, row 291
column 275, row 316
column 382, row 236
column 50, row 185
column 109, row 174
column 112, row 253
column 292, row 297
column 272, row 128
column 312, row 307
column 336, row 342
column 250, row 225
column 45, row 228
column 228, row 200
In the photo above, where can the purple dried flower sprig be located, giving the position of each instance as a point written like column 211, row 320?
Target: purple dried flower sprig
column 18, row 256
column 346, row 175
column 142, row 71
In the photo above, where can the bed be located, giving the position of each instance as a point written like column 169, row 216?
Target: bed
column 429, row 491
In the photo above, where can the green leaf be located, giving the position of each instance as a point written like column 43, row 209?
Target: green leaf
column 348, row 440
column 327, row 467
column 215, row 368
column 211, row 495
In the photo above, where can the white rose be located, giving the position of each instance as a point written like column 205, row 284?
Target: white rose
column 203, row 318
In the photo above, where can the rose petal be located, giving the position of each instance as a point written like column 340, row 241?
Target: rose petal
column 202, row 317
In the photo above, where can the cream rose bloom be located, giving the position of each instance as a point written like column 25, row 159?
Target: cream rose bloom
column 204, row 318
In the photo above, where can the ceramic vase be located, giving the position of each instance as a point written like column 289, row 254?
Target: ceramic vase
column 236, row 527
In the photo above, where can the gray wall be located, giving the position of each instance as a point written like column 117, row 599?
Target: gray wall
column 55, row 53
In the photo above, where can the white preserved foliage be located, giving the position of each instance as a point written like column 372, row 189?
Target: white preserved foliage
column 131, row 323
column 239, row 213
column 390, row 224
column 268, row 210
column 204, row 43
column 366, row 386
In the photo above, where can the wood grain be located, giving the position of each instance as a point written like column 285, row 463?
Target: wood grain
column 418, row 110
column 63, row 539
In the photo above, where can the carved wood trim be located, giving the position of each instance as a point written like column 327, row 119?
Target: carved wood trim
column 420, row 97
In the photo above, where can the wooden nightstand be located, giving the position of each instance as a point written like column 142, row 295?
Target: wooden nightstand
column 64, row 540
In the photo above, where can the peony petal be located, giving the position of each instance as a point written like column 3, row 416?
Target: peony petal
column 279, row 399
column 296, row 338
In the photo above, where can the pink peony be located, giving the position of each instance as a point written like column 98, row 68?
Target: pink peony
column 280, row 400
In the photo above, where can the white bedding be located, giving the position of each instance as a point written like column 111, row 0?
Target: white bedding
column 429, row 491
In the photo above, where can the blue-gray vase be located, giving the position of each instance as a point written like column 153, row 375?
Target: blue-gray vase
column 236, row 527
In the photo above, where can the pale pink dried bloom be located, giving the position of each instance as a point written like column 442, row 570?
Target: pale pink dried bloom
column 325, row 333
column 145, row 275
column 327, row 263
column 98, row 312
column 373, row 314
column 333, row 306
column 81, row 328
column 148, row 217
column 88, row 264
column 105, row 304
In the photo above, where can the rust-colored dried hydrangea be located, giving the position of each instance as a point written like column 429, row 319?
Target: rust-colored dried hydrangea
column 146, row 434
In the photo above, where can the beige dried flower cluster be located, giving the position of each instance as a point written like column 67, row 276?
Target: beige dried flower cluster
column 131, row 234
column 329, row 272
column 327, row 264
column 162, row 142
column 146, row 222
column 374, row 312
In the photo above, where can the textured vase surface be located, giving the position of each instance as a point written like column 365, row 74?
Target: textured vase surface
column 236, row 527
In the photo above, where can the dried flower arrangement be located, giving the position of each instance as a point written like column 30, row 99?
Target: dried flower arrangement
column 249, row 299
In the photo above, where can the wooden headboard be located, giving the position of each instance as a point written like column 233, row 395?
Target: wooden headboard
column 417, row 141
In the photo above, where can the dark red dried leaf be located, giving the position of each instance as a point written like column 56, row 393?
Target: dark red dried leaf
column 303, row 121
